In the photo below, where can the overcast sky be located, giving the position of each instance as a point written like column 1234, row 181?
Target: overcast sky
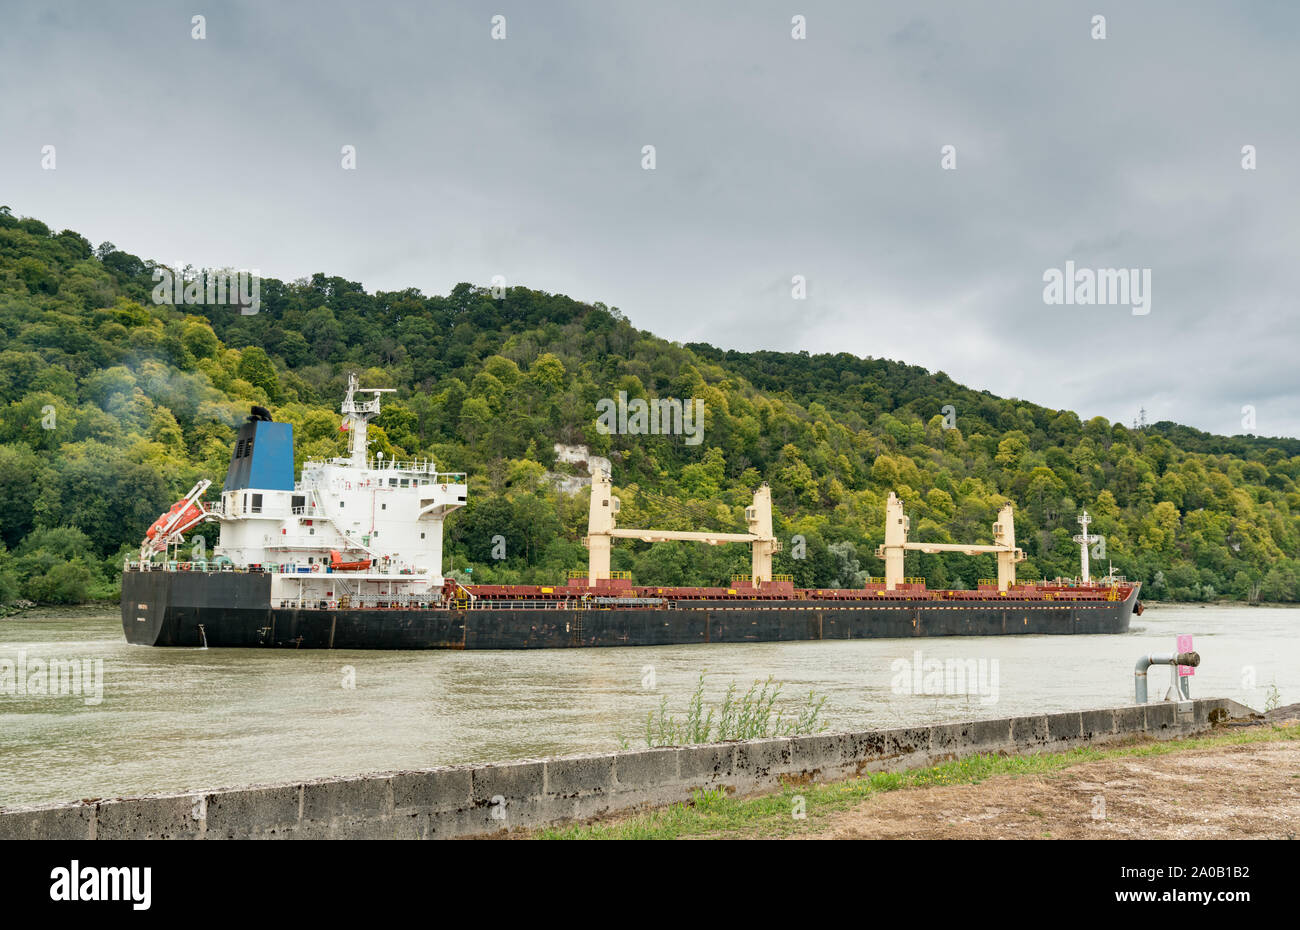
column 775, row 157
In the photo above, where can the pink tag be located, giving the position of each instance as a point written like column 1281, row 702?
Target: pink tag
column 1185, row 645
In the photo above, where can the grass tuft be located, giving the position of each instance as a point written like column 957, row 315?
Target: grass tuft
column 753, row 715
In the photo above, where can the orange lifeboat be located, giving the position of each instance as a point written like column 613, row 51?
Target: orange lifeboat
column 182, row 515
column 337, row 564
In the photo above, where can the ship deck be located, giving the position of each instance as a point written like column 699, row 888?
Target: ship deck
column 617, row 593
column 914, row 591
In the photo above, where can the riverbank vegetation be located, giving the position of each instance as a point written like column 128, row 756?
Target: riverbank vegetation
column 112, row 406
column 752, row 715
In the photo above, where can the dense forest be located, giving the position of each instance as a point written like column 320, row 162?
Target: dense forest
column 113, row 405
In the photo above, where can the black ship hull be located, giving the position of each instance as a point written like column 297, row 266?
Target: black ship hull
column 233, row 609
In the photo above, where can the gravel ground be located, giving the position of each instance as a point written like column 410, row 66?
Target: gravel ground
column 1230, row 792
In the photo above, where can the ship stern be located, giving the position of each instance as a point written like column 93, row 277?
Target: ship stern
column 145, row 597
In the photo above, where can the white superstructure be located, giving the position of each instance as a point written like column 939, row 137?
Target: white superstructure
column 354, row 531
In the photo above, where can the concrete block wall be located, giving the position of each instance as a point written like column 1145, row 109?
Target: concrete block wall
column 475, row 800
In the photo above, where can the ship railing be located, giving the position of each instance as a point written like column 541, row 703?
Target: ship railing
column 172, row 565
column 314, row 570
column 559, row 604
column 422, row 468
column 1101, row 583
column 749, row 579
column 390, row 602
column 194, row 565
column 358, row 602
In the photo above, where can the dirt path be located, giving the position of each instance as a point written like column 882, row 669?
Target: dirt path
column 1250, row 790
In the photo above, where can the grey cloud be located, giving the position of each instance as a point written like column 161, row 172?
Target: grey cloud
column 775, row 158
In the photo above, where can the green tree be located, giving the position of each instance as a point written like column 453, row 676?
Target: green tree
column 256, row 368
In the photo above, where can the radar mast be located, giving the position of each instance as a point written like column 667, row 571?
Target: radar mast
column 1084, row 540
column 357, row 414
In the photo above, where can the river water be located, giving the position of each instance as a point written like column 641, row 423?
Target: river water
column 181, row 719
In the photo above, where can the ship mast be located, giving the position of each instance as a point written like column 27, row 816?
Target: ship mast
column 1085, row 540
column 356, row 415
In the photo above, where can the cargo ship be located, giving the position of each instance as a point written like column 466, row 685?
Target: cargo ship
column 349, row 556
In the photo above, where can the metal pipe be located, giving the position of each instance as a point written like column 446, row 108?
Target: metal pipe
column 1192, row 659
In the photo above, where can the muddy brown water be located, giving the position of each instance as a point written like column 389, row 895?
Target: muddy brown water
column 181, row 719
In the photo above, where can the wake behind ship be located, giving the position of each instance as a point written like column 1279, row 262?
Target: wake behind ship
column 350, row 557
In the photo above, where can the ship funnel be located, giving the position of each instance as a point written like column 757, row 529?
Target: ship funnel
column 263, row 455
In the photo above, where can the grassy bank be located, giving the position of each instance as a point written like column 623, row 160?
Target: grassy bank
column 712, row 814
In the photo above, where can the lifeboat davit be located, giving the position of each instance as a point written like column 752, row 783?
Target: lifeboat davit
column 337, row 564
column 182, row 515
